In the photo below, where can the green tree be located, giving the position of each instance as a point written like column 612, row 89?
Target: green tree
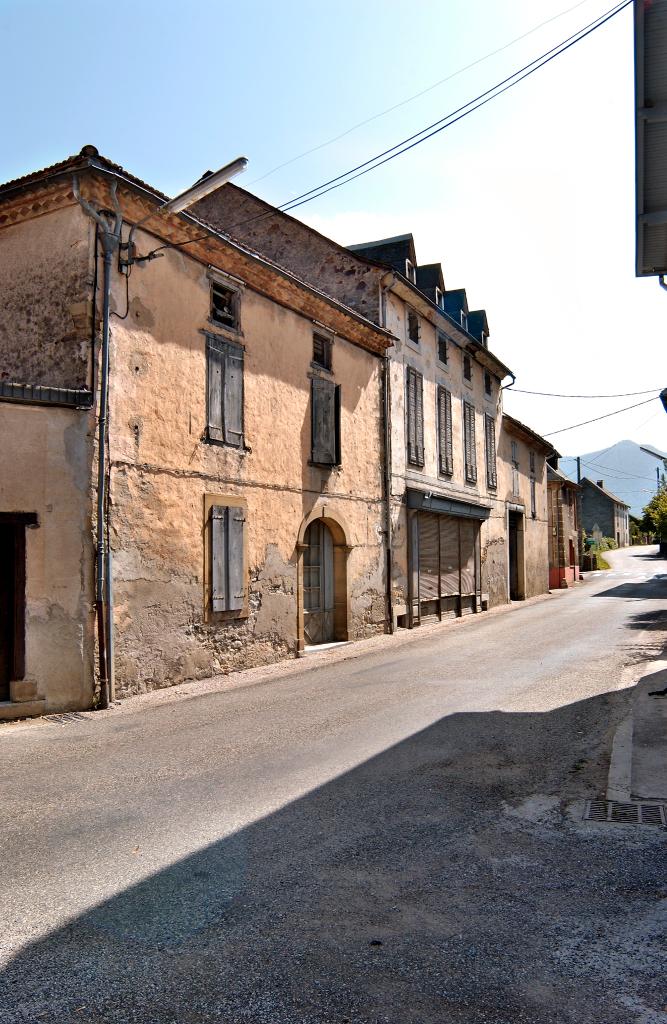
column 655, row 514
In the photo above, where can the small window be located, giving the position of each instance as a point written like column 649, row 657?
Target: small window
column 487, row 383
column 410, row 271
column 413, row 327
column 515, row 469
column 443, row 354
column 467, row 368
column 532, row 461
column 464, row 320
column 322, row 349
column 439, row 299
column 533, row 498
column 224, row 306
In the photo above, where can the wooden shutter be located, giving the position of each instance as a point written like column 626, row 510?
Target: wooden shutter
column 233, row 395
column 227, row 561
column 469, row 442
column 445, row 441
column 215, row 358
column 324, row 399
column 490, row 445
column 415, row 410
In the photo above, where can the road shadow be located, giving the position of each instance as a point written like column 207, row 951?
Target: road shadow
column 644, row 590
column 440, row 881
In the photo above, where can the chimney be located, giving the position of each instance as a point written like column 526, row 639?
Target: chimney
column 600, row 483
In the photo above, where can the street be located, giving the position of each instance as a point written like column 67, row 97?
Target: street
column 394, row 836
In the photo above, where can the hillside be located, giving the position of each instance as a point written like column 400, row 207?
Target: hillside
column 626, row 469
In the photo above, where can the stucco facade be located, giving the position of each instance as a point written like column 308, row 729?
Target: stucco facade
column 564, row 542
column 172, row 476
column 523, row 486
column 384, row 281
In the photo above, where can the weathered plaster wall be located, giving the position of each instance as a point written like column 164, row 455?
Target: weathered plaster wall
column 292, row 244
column 163, row 469
column 536, row 529
column 45, row 467
column 45, row 278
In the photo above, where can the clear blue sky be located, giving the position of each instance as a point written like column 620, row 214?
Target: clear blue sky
column 527, row 203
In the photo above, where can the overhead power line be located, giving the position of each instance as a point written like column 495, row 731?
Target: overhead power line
column 596, row 418
column 418, row 95
column 449, row 119
column 551, row 394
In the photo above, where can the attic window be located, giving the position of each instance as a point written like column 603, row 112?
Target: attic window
column 439, row 299
column 224, row 306
column 322, row 347
column 413, row 327
column 464, row 320
column 467, row 368
column 410, row 271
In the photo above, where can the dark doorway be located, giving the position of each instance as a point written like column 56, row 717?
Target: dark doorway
column 318, row 585
column 515, row 531
column 12, row 605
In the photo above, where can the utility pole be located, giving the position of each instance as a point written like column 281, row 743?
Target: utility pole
column 578, row 469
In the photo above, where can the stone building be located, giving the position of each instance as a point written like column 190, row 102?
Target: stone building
column 244, row 494
column 449, row 551
column 603, row 510
column 564, row 543
column 522, row 461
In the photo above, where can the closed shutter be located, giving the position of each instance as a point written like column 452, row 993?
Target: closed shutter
column 325, row 400
column 227, row 574
column 468, row 534
column 233, row 395
column 415, row 411
column 429, row 557
column 215, row 359
column 469, row 443
column 445, row 440
column 490, row 445
column 224, row 372
column 449, row 556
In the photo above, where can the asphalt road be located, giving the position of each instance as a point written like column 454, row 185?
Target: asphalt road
column 396, row 837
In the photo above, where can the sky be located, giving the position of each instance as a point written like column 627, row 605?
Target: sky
column 528, row 203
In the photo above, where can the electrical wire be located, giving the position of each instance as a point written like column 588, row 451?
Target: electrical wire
column 450, row 119
column 606, row 416
column 434, row 129
column 549, row 394
column 417, row 95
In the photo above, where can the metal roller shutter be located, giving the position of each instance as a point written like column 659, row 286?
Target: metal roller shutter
column 449, row 556
column 469, row 532
column 429, row 556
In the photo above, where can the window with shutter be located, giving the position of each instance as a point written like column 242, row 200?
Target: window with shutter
column 445, row 437
column 224, row 371
column 227, row 523
column 533, row 499
column 415, row 416
column 490, row 446
column 325, row 419
column 469, row 443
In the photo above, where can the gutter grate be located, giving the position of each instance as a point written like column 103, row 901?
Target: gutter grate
column 625, row 813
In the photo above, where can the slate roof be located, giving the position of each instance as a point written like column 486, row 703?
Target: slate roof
column 604, row 491
column 456, row 301
column 478, row 325
column 391, row 251
column 555, row 475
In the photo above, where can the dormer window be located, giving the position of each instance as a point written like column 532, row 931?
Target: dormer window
column 411, row 271
column 439, row 299
column 464, row 320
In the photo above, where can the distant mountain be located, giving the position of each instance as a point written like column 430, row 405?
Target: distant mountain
column 627, row 469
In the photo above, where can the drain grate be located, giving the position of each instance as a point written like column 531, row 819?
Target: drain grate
column 67, row 716
column 625, row 813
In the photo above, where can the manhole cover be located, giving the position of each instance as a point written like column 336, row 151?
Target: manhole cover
column 625, row 813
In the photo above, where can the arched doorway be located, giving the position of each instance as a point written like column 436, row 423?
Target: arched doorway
column 318, row 584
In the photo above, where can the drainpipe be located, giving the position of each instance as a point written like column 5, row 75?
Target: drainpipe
column 110, row 237
column 386, row 427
